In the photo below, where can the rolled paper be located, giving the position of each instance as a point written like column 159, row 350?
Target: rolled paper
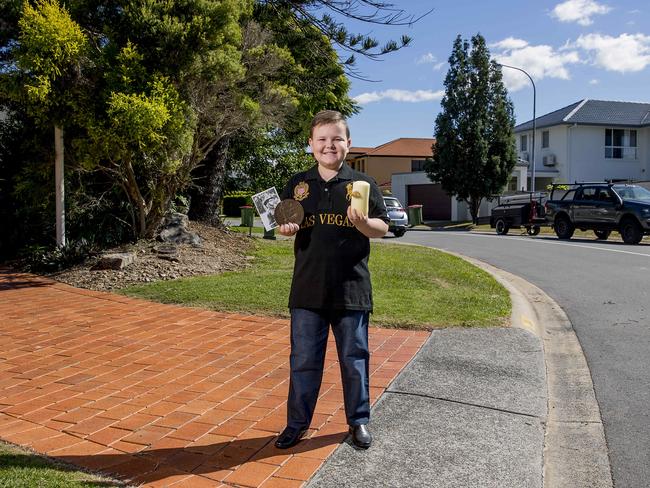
column 360, row 193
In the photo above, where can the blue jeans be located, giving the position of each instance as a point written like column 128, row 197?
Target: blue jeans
column 309, row 331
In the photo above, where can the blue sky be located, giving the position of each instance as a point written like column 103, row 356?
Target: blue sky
column 573, row 49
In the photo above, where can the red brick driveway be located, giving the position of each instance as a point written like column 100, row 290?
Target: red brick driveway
column 163, row 395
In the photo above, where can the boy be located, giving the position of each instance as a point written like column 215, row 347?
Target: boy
column 331, row 282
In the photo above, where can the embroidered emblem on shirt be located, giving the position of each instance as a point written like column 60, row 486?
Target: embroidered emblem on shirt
column 301, row 191
column 348, row 187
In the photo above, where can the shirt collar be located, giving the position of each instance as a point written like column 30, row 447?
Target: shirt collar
column 345, row 173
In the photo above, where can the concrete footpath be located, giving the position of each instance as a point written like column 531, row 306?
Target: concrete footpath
column 501, row 407
column 467, row 412
column 161, row 395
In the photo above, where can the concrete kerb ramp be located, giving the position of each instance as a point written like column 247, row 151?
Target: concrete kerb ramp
column 575, row 450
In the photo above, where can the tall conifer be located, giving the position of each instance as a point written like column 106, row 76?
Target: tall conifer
column 474, row 153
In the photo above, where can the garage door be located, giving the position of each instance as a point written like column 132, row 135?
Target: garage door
column 436, row 204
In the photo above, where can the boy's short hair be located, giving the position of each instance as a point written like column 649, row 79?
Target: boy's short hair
column 328, row 117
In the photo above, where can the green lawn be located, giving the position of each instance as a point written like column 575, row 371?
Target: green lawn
column 20, row 468
column 414, row 287
column 246, row 230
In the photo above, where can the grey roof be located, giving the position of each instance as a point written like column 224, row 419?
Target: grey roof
column 595, row 112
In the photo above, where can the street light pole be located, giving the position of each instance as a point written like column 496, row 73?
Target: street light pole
column 532, row 170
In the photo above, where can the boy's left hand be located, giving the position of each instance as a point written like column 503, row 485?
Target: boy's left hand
column 368, row 227
column 357, row 218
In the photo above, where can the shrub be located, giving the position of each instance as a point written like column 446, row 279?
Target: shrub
column 232, row 202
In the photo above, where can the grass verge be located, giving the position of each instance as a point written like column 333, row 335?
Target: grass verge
column 20, row 468
column 246, row 230
column 414, row 287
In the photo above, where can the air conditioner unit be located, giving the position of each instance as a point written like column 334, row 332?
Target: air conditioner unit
column 549, row 160
column 524, row 156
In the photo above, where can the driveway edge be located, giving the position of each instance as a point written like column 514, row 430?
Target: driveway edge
column 575, row 449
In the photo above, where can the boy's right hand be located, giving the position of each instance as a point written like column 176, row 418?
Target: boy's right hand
column 288, row 229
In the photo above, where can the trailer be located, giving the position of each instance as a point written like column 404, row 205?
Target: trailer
column 519, row 210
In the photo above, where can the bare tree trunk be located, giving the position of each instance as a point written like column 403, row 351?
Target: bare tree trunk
column 59, row 182
column 209, row 178
column 474, row 205
column 136, row 197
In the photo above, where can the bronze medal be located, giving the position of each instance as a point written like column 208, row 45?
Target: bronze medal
column 289, row 211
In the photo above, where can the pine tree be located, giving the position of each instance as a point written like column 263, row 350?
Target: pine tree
column 474, row 153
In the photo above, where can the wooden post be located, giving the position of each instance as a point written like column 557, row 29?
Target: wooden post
column 60, row 186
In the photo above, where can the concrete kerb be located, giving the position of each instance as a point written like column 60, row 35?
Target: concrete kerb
column 575, row 450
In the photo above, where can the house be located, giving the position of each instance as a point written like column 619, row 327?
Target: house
column 398, row 165
column 589, row 140
column 405, row 154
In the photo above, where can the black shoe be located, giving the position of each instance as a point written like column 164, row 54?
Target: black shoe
column 289, row 437
column 361, row 436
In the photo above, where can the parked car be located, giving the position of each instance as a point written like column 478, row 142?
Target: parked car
column 601, row 207
column 399, row 219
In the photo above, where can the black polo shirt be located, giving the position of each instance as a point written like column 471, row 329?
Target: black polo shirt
column 331, row 255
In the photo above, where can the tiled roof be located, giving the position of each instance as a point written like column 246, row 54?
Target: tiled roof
column 359, row 150
column 595, row 112
column 404, row 146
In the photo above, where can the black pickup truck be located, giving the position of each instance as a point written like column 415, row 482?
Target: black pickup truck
column 601, row 207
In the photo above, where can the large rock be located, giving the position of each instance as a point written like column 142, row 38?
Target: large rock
column 175, row 230
column 115, row 261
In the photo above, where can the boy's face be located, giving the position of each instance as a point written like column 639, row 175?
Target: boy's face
column 330, row 144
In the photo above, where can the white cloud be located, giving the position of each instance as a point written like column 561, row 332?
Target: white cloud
column 510, row 43
column 539, row 62
column 579, row 11
column 625, row 53
column 594, row 81
column 399, row 96
column 427, row 58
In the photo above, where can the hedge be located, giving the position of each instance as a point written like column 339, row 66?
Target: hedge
column 232, row 202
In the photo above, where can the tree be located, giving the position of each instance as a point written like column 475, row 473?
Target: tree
column 314, row 76
column 50, row 54
column 474, row 153
column 133, row 102
column 152, row 93
column 260, row 161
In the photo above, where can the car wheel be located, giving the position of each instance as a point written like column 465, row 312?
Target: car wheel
column 602, row 234
column 563, row 227
column 399, row 232
column 631, row 231
column 533, row 231
column 501, row 227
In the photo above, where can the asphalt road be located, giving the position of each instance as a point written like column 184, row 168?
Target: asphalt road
column 604, row 289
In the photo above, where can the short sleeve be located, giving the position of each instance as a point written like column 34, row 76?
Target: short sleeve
column 376, row 205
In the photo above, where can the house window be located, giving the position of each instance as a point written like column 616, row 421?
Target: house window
column 620, row 144
column 418, row 164
column 523, row 143
column 545, row 138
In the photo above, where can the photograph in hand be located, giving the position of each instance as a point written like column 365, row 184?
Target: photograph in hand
column 265, row 203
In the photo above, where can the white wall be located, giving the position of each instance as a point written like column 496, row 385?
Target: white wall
column 587, row 156
column 399, row 182
column 580, row 154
